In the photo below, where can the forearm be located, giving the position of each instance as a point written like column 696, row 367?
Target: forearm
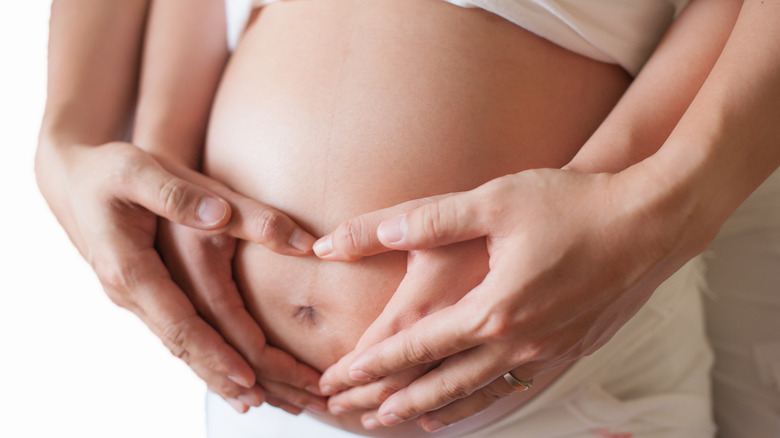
column 94, row 52
column 728, row 141
column 184, row 55
column 663, row 90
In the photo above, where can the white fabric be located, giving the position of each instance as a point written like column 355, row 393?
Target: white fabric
column 237, row 14
column 742, row 302
column 651, row 381
column 742, row 265
column 623, row 32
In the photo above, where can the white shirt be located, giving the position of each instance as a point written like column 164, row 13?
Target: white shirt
column 623, row 32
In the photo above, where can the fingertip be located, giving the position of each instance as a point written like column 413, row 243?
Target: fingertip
column 393, row 231
column 327, row 384
column 390, row 419
column 238, row 405
column 370, row 422
column 243, row 381
column 213, row 212
column 301, row 241
column 360, row 369
column 318, row 406
column 323, row 248
column 250, row 400
column 336, row 409
column 359, row 375
column 258, row 393
column 432, row 425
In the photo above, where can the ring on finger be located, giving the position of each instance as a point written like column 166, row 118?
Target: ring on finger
column 518, row 384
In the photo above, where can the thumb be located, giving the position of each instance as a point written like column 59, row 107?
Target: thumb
column 177, row 199
column 356, row 238
column 442, row 222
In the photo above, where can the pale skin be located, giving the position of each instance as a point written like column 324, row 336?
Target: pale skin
column 318, row 88
column 107, row 194
column 588, row 185
column 678, row 191
column 184, row 55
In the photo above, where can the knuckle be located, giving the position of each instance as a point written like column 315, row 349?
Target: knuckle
column 431, row 221
column 174, row 336
column 451, row 389
column 173, row 197
column 493, row 198
column 269, row 225
column 215, row 358
column 385, row 390
column 128, row 164
column 495, row 325
column 347, row 237
column 416, row 351
column 490, row 394
column 119, row 278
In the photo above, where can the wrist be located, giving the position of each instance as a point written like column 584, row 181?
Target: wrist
column 679, row 197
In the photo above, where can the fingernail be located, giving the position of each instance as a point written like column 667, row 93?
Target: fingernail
column 433, row 426
column 240, row 381
column 390, row 419
column 371, row 423
column 301, row 241
column 313, row 389
column 328, row 390
column 337, row 409
column 211, row 211
column 317, row 407
column 393, row 230
column 359, row 375
column 324, row 246
column 249, row 400
column 237, row 405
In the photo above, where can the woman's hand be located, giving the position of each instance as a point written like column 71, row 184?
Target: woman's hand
column 572, row 257
column 436, row 278
column 108, row 199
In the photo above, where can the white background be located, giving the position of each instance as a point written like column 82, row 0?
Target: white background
column 71, row 363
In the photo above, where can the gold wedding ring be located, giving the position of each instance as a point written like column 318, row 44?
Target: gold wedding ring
column 520, row 385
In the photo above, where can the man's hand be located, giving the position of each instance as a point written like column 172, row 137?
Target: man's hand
column 436, row 278
column 108, row 199
column 571, row 258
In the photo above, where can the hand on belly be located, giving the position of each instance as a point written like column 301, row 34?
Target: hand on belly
column 319, row 311
column 332, row 109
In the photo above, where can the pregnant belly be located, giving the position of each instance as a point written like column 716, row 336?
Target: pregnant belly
column 330, row 109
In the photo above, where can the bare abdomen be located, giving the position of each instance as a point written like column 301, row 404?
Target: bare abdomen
column 330, row 109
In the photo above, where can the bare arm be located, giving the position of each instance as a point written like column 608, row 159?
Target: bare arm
column 184, row 54
column 107, row 193
column 654, row 103
column 727, row 142
column 94, row 55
